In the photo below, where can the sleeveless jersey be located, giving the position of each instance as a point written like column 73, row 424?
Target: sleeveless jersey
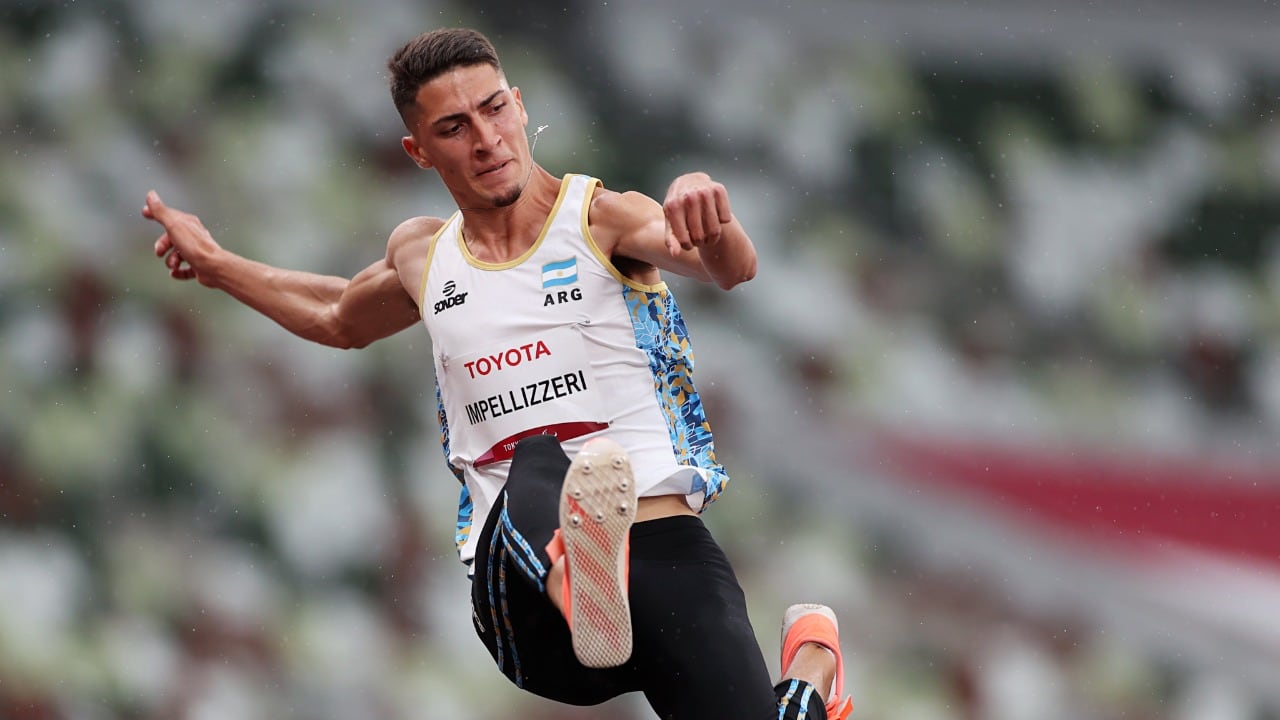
column 558, row 341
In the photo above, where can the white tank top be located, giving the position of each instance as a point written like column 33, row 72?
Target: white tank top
column 558, row 341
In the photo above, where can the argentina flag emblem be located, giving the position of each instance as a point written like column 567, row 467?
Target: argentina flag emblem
column 560, row 272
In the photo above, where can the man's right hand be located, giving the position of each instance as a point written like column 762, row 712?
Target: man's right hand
column 186, row 245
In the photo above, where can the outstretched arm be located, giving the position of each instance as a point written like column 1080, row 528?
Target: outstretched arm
column 693, row 233
column 329, row 310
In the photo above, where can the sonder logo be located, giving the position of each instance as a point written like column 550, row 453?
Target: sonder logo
column 450, row 300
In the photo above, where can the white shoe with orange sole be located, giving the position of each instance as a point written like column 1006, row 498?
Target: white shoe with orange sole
column 597, row 508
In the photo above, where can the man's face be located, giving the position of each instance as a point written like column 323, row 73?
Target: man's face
column 470, row 128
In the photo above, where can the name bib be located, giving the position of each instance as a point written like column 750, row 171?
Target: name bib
column 540, row 386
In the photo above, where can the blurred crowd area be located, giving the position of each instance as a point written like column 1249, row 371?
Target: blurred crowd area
column 202, row 517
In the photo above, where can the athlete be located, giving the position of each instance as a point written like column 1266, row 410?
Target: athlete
column 554, row 336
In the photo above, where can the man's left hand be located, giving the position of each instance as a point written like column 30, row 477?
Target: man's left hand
column 697, row 209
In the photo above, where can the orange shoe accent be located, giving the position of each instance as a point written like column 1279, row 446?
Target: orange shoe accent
column 812, row 623
column 555, row 551
column 838, row 710
column 555, row 548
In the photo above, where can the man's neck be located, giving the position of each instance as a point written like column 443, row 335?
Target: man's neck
column 498, row 235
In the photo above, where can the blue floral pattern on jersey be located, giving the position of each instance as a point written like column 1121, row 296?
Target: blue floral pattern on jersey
column 661, row 333
column 465, row 506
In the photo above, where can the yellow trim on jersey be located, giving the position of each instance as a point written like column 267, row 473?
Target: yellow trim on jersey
column 473, row 261
column 431, row 251
column 606, row 261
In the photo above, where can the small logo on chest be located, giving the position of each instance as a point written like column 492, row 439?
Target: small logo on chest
column 450, row 299
column 560, row 273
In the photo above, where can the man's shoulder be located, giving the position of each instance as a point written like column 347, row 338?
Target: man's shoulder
column 414, row 231
column 609, row 202
column 418, row 227
column 621, row 211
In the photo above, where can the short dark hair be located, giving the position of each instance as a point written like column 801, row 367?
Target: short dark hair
column 431, row 55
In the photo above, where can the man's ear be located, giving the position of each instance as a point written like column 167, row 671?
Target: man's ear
column 524, row 116
column 414, row 150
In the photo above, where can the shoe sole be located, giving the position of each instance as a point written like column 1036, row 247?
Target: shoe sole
column 597, row 508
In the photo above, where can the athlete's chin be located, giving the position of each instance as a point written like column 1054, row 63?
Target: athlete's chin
column 508, row 197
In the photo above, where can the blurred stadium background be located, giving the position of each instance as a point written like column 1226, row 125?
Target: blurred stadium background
column 1006, row 392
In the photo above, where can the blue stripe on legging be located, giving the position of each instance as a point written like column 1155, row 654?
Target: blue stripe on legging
column 493, row 605
column 523, row 553
column 801, row 705
column 506, row 620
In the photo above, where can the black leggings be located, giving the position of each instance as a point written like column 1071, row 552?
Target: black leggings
column 695, row 653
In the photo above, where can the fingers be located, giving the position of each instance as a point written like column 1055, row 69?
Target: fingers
column 696, row 217
column 178, row 267
column 188, row 228
column 155, row 209
column 710, row 222
column 724, row 214
column 677, row 225
column 673, row 245
column 715, row 211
